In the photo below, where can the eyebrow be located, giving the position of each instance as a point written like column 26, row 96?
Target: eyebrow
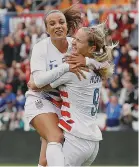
column 78, row 39
column 54, row 20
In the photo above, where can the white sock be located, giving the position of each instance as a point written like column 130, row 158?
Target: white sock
column 54, row 154
column 40, row 166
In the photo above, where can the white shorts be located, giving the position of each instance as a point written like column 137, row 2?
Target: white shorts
column 79, row 152
column 35, row 106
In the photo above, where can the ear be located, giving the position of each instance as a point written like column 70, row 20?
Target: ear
column 47, row 31
column 46, row 28
column 92, row 49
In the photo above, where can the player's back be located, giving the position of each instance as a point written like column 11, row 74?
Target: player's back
column 80, row 105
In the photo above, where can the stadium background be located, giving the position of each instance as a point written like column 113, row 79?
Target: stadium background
column 21, row 26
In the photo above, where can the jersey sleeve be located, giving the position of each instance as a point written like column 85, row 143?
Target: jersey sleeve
column 38, row 59
column 66, row 78
column 41, row 76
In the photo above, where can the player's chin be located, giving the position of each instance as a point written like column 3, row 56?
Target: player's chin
column 74, row 51
column 59, row 37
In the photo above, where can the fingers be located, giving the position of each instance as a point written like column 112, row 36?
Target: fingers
column 85, row 69
column 72, row 58
column 74, row 66
column 78, row 75
column 78, row 71
column 71, row 61
column 81, row 73
column 75, row 71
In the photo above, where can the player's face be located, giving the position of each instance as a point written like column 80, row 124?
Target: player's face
column 80, row 43
column 56, row 25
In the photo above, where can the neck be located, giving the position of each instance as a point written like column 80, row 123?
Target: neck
column 60, row 44
column 89, row 55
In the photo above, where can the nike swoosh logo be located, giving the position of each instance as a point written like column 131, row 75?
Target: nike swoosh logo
column 51, row 61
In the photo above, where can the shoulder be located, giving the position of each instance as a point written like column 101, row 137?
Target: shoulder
column 41, row 43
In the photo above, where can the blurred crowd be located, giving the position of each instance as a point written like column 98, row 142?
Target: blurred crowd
column 26, row 5
column 119, row 98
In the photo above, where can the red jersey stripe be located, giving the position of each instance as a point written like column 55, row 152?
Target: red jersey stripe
column 65, row 125
column 57, row 103
column 65, row 113
column 64, row 94
column 70, row 121
column 66, row 104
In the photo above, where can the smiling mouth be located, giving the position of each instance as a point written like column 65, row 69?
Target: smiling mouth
column 59, row 32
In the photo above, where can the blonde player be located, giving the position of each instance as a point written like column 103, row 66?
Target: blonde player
column 81, row 100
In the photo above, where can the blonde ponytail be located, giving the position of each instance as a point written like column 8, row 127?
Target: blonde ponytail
column 108, row 71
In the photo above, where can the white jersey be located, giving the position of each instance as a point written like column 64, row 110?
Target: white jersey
column 44, row 58
column 80, row 104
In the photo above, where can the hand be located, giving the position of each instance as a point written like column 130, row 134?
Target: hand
column 77, row 59
column 78, row 70
column 31, row 84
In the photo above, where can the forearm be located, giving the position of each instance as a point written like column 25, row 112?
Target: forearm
column 43, row 78
column 97, row 65
column 45, row 88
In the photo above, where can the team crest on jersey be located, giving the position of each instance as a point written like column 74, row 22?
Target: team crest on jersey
column 39, row 104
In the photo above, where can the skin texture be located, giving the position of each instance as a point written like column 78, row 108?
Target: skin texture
column 80, row 44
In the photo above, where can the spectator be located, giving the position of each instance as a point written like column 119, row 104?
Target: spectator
column 11, row 6
column 129, row 93
column 26, row 48
column 125, row 60
column 114, row 85
column 113, row 111
column 126, row 117
column 133, row 38
column 20, row 100
column 131, row 52
column 8, row 50
column 15, row 51
column 10, row 96
column 17, row 48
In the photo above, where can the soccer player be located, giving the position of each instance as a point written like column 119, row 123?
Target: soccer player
column 81, row 100
column 47, row 54
column 46, row 66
